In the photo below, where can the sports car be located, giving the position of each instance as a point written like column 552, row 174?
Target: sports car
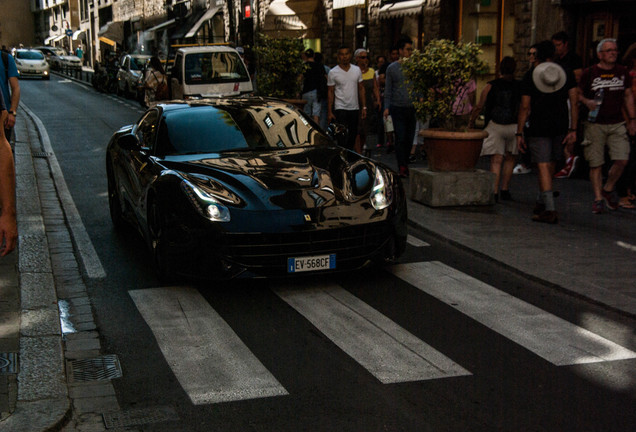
column 250, row 187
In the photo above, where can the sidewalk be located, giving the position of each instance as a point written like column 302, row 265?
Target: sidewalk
column 588, row 256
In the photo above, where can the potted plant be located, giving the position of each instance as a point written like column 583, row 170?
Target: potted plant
column 279, row 67
column 435, row 75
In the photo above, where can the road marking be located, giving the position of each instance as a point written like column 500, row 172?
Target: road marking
column 550, row 337
column 414, row 241
column 83, row 244
column 386, row 350
column 210, row 361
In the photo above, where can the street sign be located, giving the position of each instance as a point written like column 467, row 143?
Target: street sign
column 69, row 32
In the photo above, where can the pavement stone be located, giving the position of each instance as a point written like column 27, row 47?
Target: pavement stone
column 585, row 255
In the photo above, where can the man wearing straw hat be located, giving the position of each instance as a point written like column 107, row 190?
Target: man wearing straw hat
column 544, row 102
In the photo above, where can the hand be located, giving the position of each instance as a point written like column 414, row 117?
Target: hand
column 386, row 113
column 331, row 117
column 8, row 235
column 570, row 138
column 521, row 144
column 631, row 127
column 363, row 113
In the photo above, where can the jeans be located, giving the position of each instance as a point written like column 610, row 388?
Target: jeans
column 350, row 120
column 404, row 121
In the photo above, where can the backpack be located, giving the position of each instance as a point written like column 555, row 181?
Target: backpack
column 502, row 103
column 162, row 92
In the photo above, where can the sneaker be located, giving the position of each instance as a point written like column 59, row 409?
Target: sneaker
column 599, row 207
column 404, row 171
column 505, row 195
column 610, row 198
column 565, row 171
column 546, row 216
column 520, row 169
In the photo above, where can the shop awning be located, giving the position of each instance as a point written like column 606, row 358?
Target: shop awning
column 107, row 41
column 400, row 9
column 149, row 34
column 205, row 17
column 186, row 25
column 113, row 30
column 77, row 34
column 293, row 18
column 48, row 39
column 59, row 38
column 339, row 4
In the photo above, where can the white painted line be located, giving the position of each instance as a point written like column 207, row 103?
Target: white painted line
column 83, row 244
column 550, row 337
column 627, row 246
column 414, row 241
column 210, row 361
column 385, row 349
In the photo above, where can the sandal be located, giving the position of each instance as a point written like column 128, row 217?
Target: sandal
column 626, row 203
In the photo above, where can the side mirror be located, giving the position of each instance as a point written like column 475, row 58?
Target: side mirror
column 129, row 142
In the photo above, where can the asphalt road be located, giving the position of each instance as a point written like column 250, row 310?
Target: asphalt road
column 461, row 346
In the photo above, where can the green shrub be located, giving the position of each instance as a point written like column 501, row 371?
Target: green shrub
column 279, row 66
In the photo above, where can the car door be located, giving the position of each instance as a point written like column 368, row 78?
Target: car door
column 138, row 165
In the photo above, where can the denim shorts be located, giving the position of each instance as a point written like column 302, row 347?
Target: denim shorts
column 312, row 107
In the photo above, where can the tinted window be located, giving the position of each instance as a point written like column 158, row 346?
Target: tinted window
column 137, row 63
column 214, row 68
column 29, row 55
column 146, row 129
column 207, row 129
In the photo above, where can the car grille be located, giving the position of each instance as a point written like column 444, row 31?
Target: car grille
column 350, row 244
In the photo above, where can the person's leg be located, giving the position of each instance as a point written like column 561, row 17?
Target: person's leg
column 400, row 130
column 506, row 171
column 495, row 168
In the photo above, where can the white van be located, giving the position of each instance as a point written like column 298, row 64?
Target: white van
column 206, row 71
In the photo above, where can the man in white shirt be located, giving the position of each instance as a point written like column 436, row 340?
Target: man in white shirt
column 346, row 95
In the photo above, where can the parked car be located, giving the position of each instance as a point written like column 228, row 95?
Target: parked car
column 31, row 63
column 130, row 70
column 229, row 187
column 58, row 59
column 205, row 71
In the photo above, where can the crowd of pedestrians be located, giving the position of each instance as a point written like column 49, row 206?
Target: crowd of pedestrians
column 560, row 117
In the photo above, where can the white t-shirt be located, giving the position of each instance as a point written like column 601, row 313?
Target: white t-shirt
column 346, row 87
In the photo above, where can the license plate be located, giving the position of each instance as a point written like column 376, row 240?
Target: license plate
column 311, row 263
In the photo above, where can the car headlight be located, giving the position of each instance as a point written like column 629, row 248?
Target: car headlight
column 207, row 205
column 381, row 193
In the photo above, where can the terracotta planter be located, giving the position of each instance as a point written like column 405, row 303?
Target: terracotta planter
column 453, row 151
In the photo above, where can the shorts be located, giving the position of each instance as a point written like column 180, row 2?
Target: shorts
column 312, row 107
column 546, row 149
column 597, row 136
column 501, row 139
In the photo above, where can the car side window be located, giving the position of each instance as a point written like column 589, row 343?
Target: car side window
column 147, row 129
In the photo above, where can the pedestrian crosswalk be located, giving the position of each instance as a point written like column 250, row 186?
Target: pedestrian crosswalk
column 213, row 364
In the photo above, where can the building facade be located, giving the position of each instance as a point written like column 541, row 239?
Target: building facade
column 16, row 24
column 502, row 27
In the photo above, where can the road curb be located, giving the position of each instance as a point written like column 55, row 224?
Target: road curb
column 42, row 399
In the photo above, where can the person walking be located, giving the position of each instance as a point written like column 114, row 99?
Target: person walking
column 8, row 224
column 368, row 126
column 544, row 100
column 398, row 105
column 312, row 82
column 346, row 95
column 501, row 98
column 155, row 77
column 568, row 60
column 605, row 89
column 9, row 80
column 626, row 185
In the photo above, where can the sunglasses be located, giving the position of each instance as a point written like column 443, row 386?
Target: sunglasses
column 532, row 53
column 362, row 57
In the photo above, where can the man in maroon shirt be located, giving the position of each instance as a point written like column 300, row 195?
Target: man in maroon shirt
column 608, row 128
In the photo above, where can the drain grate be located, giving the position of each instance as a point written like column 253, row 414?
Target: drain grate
column 139, row 416
column 40, row 154
column 96, row 369
column 8, row 363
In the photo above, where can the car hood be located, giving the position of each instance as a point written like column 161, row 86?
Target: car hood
column 287, row 178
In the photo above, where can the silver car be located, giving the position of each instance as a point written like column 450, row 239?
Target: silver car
column 130, row 69
column 31, row 63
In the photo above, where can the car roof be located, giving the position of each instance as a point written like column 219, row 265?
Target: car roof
column 27, row 49
column 207, row 48
column 223, row 102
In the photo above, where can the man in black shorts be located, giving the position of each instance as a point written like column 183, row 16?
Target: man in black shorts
column 544, row 99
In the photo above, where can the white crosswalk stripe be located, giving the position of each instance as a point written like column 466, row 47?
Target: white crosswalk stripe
column 385, row 349
column 210, row 361
column 550, row 337
column 414, row 241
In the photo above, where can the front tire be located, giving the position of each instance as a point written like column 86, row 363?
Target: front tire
column 114, row 202
column 158, row 243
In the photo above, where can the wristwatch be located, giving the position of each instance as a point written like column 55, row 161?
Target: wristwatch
column 14, row 112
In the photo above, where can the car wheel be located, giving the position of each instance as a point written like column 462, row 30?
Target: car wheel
column 158, row 243
column 114, row 202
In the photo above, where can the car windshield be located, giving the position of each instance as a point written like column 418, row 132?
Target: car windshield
column 214, row 68
column 29, row 55
column 207, row 129
column 137, row 63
